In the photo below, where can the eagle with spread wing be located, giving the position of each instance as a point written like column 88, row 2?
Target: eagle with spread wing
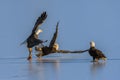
column 33, row 40
column 54, row 47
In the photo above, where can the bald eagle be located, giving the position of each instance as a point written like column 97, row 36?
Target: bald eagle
column 95, row 53
column 33, row 40
column 54, row 47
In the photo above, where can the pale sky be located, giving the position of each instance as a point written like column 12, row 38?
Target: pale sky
column 80, row 22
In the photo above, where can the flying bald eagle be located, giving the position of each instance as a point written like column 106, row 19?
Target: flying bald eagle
column 95, row 53
column 33, row 40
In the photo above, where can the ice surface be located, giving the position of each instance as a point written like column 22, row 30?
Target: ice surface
column 58, row 68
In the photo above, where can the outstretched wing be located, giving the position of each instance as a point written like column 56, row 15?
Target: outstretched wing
column 63, row 51
column 39, row 21
column 54, row 36
column 80, row 51
column 68, row 51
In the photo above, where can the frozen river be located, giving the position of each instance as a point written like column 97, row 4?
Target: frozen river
column 58, row 68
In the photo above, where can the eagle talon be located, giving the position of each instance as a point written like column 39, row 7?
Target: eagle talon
column 29, row 58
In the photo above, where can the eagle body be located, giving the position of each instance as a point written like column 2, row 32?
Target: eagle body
column 33, row 40
column 95, row 53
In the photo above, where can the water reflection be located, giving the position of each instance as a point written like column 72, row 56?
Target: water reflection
column 44, row 70
column 97, row 69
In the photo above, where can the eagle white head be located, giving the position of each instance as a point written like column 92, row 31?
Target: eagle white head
column 38, row 31
column 56, row 46
column 92, row 44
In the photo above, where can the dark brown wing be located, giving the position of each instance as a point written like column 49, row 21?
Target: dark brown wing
column 54, row 36
column 99, row 53
column 63, row 51
column 68, row 51
column 80, row 51
column 39, row 21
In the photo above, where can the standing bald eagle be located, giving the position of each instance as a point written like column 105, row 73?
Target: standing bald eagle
column 95, row 53
column 33, row 40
